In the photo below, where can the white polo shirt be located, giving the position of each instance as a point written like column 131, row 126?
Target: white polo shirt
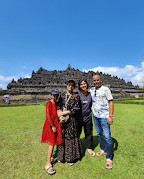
column 100, row 98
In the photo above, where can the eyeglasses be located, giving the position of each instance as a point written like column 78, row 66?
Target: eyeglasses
column 71, row 85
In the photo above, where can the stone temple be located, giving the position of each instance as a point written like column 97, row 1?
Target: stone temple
column 38, row 87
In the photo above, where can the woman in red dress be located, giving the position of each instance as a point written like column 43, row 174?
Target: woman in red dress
column 51, row 130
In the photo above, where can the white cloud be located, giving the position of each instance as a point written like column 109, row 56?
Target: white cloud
column 142, row 64
column 27, row 76
column 138, row 79
column 5, row 80
column 24, row 75
column 128, row 73
column 3, row 86
column 24, row 67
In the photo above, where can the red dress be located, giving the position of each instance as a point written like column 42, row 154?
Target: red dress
column 51, row 120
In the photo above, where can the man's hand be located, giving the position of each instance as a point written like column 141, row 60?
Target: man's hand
column 109, row 120
column 54, row 129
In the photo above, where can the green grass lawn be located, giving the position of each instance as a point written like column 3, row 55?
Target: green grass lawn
column 130, row 101
column 22, row 155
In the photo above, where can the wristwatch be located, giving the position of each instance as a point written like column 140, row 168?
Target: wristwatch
column 112, row 117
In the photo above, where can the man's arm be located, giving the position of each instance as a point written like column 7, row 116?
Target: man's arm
column 111, row 106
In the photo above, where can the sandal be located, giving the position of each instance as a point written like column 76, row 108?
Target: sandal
column 49, row 169
column 109, row 164
column 91, row 152
column 101, row 153
column 70, row 164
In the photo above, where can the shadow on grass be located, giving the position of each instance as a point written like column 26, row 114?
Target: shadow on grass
column 83, row 144
column 95, row 144
column 55, row 156
column 115, row 144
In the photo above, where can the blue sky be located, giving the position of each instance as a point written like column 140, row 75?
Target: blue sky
column 105, row 35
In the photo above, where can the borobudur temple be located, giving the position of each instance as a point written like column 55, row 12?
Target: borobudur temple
column 38, row 87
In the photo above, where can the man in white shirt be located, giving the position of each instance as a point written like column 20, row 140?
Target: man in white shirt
column 102, row 107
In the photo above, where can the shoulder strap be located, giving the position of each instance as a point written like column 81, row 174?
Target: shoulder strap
column 67, row 100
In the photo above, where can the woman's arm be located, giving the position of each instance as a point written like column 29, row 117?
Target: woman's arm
column 63, row 113
column 48, row 113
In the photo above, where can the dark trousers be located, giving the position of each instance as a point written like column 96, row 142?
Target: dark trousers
column 88, row 130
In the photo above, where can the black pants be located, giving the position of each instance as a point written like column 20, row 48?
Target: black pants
column 88, row 130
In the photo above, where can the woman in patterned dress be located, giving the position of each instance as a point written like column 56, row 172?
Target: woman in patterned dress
column 70, row 150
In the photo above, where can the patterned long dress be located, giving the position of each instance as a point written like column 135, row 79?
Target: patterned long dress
column 70, row 149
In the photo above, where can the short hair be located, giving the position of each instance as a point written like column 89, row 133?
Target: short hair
column 80, row 81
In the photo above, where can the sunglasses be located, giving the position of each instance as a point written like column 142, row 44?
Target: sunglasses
column 95, row 92
column 71, row 85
